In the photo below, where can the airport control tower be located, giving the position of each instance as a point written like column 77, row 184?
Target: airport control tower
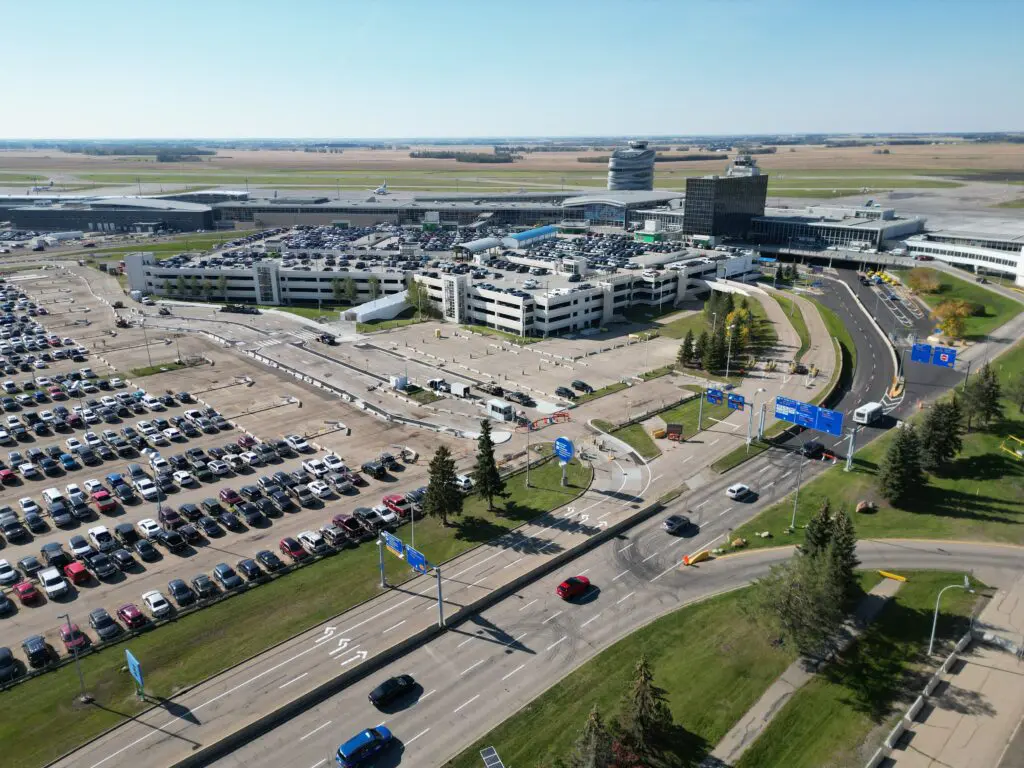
column 632, row 167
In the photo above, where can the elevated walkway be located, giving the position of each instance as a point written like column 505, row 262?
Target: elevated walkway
column 384, row 308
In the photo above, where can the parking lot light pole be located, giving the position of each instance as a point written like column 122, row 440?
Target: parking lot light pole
column 83, row 697
column 728, row 356
column 750, row 416
column 935, row 619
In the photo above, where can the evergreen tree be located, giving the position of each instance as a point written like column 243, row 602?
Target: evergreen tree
column 745, row 304
column 801, row 601
column 486, row 476
column 714, row 356
column 646, row 720
column 1015, row 391
column 899, row 474
column 337, row 289
column 700, row 348
column 818, row 533
column 988, row 392
column 374, row 286
column 941, row 435
column 686, row 351
column 443, row 497
column 350, row 290
column 844, row 551
column 594, row 745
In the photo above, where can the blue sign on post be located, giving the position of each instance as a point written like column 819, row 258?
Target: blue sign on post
column 715, row 396
column 134, row 668
column 944, row 356
column 394, row 543
column 416, row 560
column 564, row 449
column 809, row 416
column 921, row 353
column 736, row 402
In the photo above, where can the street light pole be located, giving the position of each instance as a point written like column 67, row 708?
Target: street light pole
column 728, row 356
column 83, row 697
column 750, row 416
column 796, row 495
column 935, row 619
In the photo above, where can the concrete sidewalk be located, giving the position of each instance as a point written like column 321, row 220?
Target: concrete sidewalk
column 749, row 727
column 974, row 716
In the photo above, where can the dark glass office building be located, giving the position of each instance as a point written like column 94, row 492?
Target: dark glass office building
column 720, row 206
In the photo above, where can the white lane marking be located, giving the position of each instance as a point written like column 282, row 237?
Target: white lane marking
column 317, row 765
column 475, row 565
column 467, row 640
column 425, row 695
column 294, row 679
column 626, row 547
column 563, row 637
column 474, row 666
column 708, row 501
column 396, row 626
column 410, row 741
column 713, row 442
column 527, row 605
column 552, row 618
column 503, row 568
column 506, row 677
column 783, row 477
column 516, row 639
column 583, row 573
column 593, row 618
column 686, row 459
column 621, row 575
column 341, row 648
column 769, row 485
column 461, row 706
column 649, row 557
column 318, row 728
column 478, row 581
column 626, row 597
column 764, row 469
column 730, row 509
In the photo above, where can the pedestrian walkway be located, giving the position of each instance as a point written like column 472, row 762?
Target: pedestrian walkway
column 975, row 713
column 749, row 727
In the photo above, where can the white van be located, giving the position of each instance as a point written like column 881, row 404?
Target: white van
column 868, row 413
column 51, row 495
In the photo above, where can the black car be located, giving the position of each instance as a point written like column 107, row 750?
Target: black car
column 284, row 479
column 123, row 559
column 250, row 513
column 145, row 550
column 190, row 512
column 391, row 689
column 269, row 560
column 54, row 555
column 374, row 469
column 280, row 500
column 190, row 533
column 35, row 522
column 103, row 624
column 209, row 526
column 812, row 449
column 249, row 569
column 36, row 650
column 212, row 507
column 181, row 592
column 124, row 492
column 81, row 511
column 184, row 397
column 267, row 507
column 60, row 514
column 30, row 566
column 565, row 392
column 13, row 530
column 249, row 492
column 6, row 604
column 173, row 540
column 230, row 521
column 126, row 533
column 204, row 587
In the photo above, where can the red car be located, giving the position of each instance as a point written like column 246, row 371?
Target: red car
column 398, row 504
column 230, row 496
column 7, row 477
column 245, row 441
column 572, row 587
column 26, row 592
column 77, row 573
column 73, row 638
column 131, row 616
column 292, row 549
column 104, row 501
column 56, row 393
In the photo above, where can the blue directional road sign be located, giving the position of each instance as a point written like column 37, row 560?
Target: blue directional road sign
column 394, row 543
column 736, row 402
column 416, row 560
column 944, row 356
column 921, row 353
column 134, row 668
column 715, row 396
column 564, row 449
column 809, row 416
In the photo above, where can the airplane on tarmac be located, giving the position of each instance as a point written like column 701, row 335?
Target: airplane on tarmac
column 382, row 189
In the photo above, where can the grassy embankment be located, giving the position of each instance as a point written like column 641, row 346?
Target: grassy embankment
column 998, row 309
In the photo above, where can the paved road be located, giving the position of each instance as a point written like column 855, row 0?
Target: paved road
column 474, row 676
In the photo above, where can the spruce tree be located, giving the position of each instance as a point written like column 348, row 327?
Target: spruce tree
column 686, row 350
column 899, row 474
column 700, row 348
column 988, row 393
column 844, row 550
column 443, row 497
column 594, row 745
column 940, row 435
column 818, row 533
column 646, row 719
column 486, row 477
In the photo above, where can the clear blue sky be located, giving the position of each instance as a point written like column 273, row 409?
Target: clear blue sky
column 417, row 68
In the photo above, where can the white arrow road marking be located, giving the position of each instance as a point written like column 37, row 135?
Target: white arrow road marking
column 327, row 635
column 358, row 656
column 342, row 645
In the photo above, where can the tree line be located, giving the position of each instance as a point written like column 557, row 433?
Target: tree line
column 462, row 157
